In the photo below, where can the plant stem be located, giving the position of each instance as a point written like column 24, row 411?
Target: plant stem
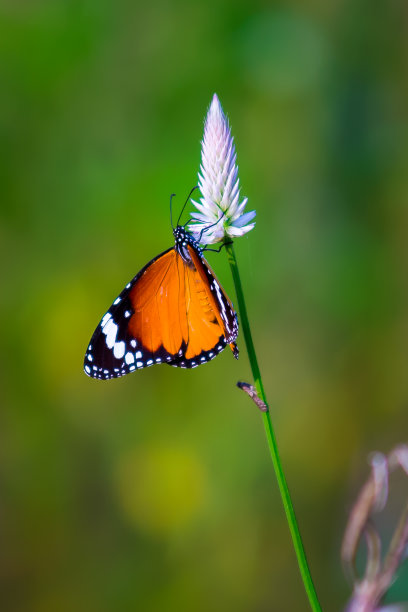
column 270, row 434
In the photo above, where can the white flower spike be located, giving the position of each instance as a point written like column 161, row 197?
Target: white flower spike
column 220, row 205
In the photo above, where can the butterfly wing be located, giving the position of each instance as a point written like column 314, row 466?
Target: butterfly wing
column 211, row 319
column 125, row 340
column 220, row 302
column 171, row 312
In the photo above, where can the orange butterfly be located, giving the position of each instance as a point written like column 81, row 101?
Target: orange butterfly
column 174, row 311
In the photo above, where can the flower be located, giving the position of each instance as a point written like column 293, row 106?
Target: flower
column 220, row 211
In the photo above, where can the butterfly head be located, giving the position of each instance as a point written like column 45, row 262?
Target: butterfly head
column 183, row 238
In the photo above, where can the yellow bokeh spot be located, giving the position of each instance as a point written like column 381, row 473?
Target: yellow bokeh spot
column 160, row 488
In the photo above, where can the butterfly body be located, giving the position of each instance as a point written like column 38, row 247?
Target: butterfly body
column 173, row 311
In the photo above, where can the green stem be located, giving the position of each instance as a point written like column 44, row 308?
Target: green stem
column 270, row 434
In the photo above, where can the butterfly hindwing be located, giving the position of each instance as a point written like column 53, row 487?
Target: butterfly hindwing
column 220, row 302
column 211, row 318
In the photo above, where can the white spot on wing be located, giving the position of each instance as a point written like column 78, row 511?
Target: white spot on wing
column 110, row 330
column 138, row 355
column 87, row 369
column 221, row 301
column 133, row 343
column 119, row 349
column 129, row 358
column 105, row 319
column 118, row 299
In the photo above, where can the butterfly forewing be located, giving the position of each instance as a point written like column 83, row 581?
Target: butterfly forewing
column 174, row 311
column 116, row 347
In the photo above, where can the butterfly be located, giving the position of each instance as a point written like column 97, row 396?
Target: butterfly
column 173, row 311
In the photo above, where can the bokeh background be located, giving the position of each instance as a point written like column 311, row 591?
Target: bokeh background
column 155, row 491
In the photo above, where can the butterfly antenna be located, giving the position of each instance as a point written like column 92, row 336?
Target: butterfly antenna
column 171, row 211
column 186, row 202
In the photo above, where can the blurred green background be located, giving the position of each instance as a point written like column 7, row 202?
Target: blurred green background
column 155, row 491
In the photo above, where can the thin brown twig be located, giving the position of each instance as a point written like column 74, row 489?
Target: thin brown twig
column 396, row 549
column 251, row 391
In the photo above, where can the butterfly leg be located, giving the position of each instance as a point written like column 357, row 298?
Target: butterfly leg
column 218, row 250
